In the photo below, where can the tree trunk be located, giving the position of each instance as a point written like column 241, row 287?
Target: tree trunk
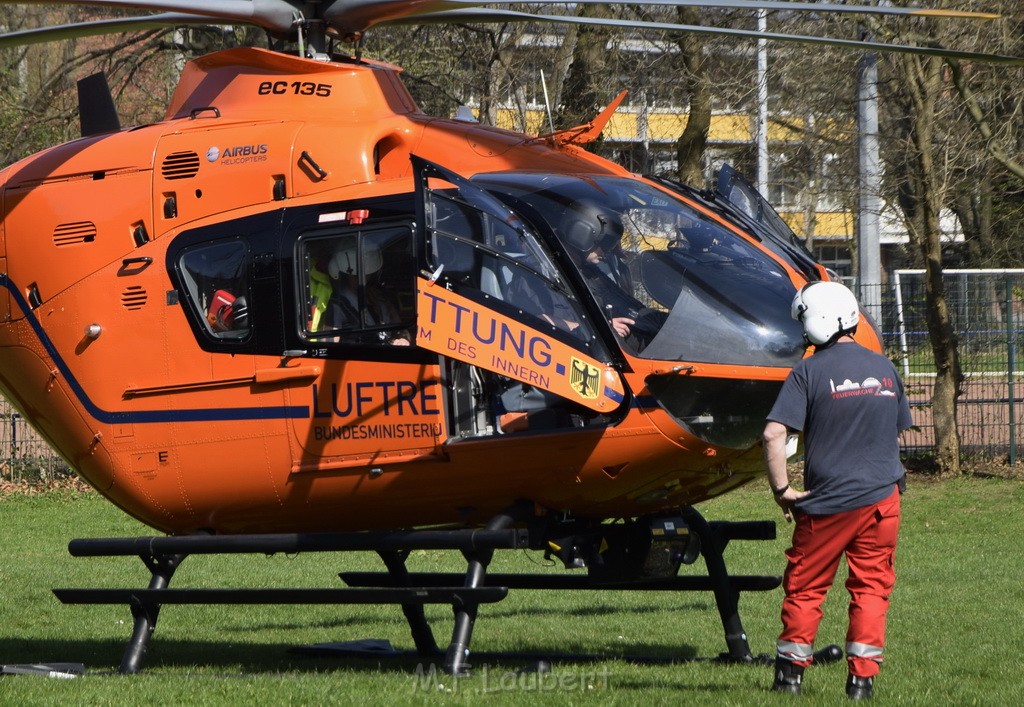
column 586, row 86
column 691, row 144
column 921, row 201
column 972, row 204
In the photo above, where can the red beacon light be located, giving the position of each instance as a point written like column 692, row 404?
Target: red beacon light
column 354, row 217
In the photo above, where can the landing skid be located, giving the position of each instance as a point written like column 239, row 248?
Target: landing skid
column 465, row 593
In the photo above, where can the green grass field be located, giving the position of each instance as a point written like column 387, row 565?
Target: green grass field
column 956, row 628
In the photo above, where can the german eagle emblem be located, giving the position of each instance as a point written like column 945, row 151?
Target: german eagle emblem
column 583, row 378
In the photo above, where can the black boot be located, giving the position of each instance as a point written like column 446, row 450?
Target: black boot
column 860, row 688
column 788, row 676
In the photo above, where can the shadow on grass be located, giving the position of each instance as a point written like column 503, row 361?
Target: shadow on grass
column 339, row 623
column 592, row 610
column 102, row 657
column 506, row 613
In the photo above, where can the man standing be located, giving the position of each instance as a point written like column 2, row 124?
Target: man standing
column 850, row 405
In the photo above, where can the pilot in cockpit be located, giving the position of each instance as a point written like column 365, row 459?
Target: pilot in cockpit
column 593, row 237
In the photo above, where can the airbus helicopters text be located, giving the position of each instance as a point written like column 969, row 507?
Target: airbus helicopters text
column 300, row 305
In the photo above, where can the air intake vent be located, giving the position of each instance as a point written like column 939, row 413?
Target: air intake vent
column 134, row 297
column 72, row 233
column 180, row 165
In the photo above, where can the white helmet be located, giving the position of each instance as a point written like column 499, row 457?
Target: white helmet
column 345, row 259
column 827, row 310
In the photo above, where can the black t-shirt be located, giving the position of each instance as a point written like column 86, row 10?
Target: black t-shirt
column 850, row 404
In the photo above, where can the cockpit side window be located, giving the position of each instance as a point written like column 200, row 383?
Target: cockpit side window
column 478, row 252
column 357, row 286
column 465, row 221
column 217, row 279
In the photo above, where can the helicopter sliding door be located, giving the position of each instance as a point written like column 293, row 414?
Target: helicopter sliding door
column 521, row 352
column 375, row 400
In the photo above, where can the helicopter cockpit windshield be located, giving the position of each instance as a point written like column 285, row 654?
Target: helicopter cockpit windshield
column 693, row 289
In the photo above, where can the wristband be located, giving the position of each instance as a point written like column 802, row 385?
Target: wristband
column 779, row 492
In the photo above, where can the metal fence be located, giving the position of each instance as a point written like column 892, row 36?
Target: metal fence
column 988, row 315
column 987, row 309
column 24, row 454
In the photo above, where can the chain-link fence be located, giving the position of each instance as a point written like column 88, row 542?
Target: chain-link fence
column 987, row 310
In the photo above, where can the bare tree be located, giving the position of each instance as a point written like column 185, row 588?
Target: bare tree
column 585, row 90
column 38, row 95
column 692, row 143
column 989, row 194
column 922, row 193
column 957, row 135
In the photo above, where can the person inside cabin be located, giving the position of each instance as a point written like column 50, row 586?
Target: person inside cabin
column 593, row 239
column 592, row 236
column 342, row 300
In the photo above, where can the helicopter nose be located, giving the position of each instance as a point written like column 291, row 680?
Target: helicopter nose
column 726, row 412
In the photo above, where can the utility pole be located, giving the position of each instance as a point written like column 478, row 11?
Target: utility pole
column 761, row 131
column 869, row 187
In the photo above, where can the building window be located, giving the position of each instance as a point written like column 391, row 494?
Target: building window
column 837, row 259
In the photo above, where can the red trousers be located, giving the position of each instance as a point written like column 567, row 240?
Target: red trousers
column 867, row 536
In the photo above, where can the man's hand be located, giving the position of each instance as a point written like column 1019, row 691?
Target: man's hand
column 621, row 325
column 786, row 501
column 774, row 441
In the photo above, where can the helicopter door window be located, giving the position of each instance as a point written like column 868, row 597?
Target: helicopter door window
column 455, row 218
column 216, row 278
column 479, row 251
column 358, row 287
column 509, row 285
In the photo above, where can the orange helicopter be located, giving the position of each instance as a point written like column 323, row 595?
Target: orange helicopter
column 300, row 314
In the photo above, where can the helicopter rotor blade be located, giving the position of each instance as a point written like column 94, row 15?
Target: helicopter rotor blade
column 350, row 17
column 358, row 15
column 275, row 15
column 787, row 6
column 484, row 15
column 90, row 29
